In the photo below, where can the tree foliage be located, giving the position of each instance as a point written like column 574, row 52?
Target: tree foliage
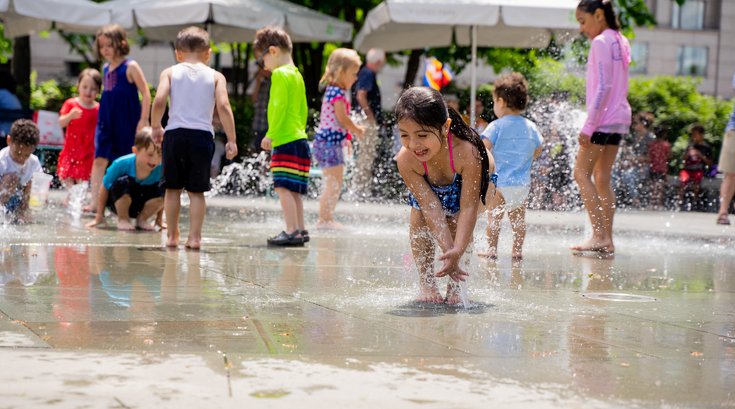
column 6, row 46
column 676, row 104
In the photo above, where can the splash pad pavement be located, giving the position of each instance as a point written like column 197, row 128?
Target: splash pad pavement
column 111, row 319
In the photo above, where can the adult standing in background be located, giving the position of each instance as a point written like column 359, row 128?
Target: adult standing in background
column 366, row 99
column 727, row 166
column 8, row 101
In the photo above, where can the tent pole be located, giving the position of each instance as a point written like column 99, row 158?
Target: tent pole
column 473, row 74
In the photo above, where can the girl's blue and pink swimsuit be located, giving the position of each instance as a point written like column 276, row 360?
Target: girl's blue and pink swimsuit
column 448, row 195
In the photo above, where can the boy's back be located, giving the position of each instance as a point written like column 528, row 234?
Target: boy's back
column 287, row 109
column 514, row 140
column 192, row 97
column 125, row 166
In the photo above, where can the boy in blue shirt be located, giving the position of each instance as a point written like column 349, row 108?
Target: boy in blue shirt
column 514, row 142
column 131, row 186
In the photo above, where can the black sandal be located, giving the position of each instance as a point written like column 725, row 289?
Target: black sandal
column 287, row 240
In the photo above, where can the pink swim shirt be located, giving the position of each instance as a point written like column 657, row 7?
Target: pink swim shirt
column 607, row 84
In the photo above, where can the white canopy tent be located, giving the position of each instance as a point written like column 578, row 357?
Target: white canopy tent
column 396, row 25
column 25, row 17
column 228, row 20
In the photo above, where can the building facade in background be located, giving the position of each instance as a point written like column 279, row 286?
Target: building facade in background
column 696, row 39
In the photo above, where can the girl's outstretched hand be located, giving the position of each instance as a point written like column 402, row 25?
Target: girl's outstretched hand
column 451, row 265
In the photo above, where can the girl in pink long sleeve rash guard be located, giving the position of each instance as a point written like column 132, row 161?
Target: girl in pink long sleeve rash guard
column 608, row 118
column 607, row 84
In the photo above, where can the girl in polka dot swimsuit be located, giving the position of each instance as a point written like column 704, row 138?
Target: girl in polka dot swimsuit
column 335, row 130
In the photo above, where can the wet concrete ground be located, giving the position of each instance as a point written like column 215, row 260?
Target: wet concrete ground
column 112, row 319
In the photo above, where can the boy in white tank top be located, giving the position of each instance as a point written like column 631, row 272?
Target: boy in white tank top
column 194, row 90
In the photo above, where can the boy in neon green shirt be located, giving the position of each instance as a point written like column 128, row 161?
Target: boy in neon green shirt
column 286, row 136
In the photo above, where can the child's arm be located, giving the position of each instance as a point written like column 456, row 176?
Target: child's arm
column 277, row 107
column 99, row 218
column 340, row 111
column 24, row 213
column 537, row 152
column 67, row 115
column 159, row 105
column 8, row 186
column 225, row 114
column 469, row 202
column 135, row 75
column 430, row 205
column 601, row 65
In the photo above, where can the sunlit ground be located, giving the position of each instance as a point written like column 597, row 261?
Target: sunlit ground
column 112, row 319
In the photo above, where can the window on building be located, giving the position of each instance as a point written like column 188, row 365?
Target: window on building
column 639, row 55
column 689, row 16
column 73, row 68
column 692, row 61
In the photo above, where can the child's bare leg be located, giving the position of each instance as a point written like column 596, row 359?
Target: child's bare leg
column 159, row 219
column 495, row 212
column 330, row 196
column 122, row 208
column 518, row 223
column 150, row 208
column 197, row 210
column 98, row 172
column 67, row 184
column 422, row 249
column 172, row 208
column 454, row 296
column 587, row 158
column 603, row 172
column 290, row 204
column 453, row 288
column 299, row 202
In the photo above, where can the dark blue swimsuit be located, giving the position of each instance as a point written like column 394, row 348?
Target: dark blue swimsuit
column 448, row 195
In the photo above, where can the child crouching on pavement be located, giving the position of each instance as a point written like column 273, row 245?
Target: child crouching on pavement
column 131, row 186
column 17, row 166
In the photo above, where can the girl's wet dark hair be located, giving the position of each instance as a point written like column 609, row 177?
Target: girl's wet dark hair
column 589, row 6
column 426, row 107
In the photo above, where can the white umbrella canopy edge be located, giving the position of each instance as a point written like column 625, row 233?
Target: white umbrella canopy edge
column 24, row 17
column 491, row 23
column 228, row 20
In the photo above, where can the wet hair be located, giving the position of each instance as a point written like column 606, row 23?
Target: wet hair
column 144, row 140
column 590, row 6
column 340, row 60
column 513, row 88
column 25, row 132
column 117, row 36
column 93, row 74
column 426, row 107
column 192, row 39
column 697, row 128
column 272, row 36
